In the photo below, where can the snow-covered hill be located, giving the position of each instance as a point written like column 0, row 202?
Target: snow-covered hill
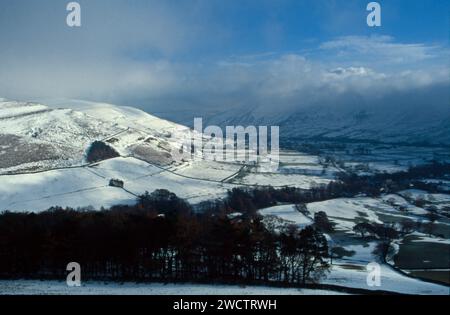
column 35, row 137
column 43, row 158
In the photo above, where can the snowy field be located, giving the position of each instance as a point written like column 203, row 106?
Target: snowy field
column 84, row 186
column 369, row 158
column 355, row 276
column 88, row 186
column 36, row 287
column 345, row 212
column 281, row 180
column 298, row 159
column 288, row 214
column 416, row 194
column 353, row 253
column 208, row 170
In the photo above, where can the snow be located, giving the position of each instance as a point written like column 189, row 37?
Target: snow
column 306, row 169
column 399, row 201
column 35, row 287
column 208, row 170
column 10, row 109
column 421, row 194
column 66, row 188
column 295, row 158
column 387, row 167
column 355, row 276
column 350, row 271
column 437, row 181
column 88, row 186
column 65, row 133
column 234, row 215
column 127, row 169
column 65, row 128
column 401, row 123
column 279, row 180
column 362, row 253
column 425, row 238
column 69, row 127
column 123, row 115
column 344, row 211
column 287, row 213
column 56, row 136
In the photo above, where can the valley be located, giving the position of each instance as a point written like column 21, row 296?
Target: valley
column 43, row 164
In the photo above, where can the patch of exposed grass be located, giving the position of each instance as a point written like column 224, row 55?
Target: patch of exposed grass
column 422, row 255
column 436, row 275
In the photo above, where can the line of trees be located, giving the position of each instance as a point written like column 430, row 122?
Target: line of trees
column 160, row 238
column 374, row 185
column 347, row 185
column 385, row 233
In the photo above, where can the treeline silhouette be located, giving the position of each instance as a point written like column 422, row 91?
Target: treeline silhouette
column 160, row 238
column 381, row 183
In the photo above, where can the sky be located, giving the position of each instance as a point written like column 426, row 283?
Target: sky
column 206, row 55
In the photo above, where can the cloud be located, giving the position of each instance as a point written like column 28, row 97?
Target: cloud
column 172, row 57
column 291, row 82
column 382, row 49
column 269, row 83
column 112, row 28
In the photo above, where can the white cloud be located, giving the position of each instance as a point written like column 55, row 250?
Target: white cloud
column 365, row 66
column 381, row 49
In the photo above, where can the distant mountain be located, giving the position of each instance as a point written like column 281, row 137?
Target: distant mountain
column 430, row 126
column 402, row 118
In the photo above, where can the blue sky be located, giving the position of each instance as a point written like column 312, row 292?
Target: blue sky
column 291, row 26
column 197, row 54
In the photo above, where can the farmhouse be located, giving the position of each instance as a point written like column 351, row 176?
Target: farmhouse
column 116, row 183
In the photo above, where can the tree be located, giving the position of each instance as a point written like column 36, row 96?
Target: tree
column 363, row 229
column 432, row 216
column 99, row 151
column 322, row 223
column 387, row 233
column 407, row 226
column 383, row 249
column 420, row 202
column 301, row 207
column 313, row 251
column 303, row 254
column 161, row 238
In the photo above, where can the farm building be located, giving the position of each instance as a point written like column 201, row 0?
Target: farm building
column 116, row 183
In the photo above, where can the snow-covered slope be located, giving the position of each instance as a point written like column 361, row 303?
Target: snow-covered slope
column 89, row 186
column 34, row 136
column 43, row 158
